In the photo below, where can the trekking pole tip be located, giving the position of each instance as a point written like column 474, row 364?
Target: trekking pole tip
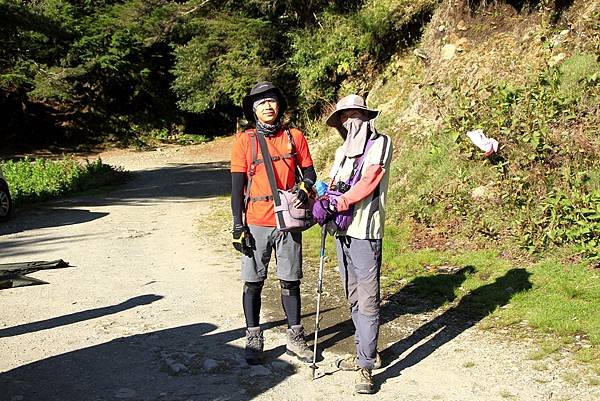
column 314, row 368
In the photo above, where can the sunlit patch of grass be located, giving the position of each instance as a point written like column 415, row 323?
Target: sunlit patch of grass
column 571, row 377
column 37, row 180
column 557, row 301
column 506, row 394
column 564, row 299
column 541, row 367
column 544, row 350
column 219, row 223
column 594, row 381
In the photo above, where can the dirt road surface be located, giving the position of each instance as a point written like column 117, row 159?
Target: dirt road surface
column 150, row 309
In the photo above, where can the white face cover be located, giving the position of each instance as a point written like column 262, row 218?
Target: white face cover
column 356, row 137
column 353, row 125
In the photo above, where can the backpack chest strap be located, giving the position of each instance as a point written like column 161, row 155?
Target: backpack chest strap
column 256, row 161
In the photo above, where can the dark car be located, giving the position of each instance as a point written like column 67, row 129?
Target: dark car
column 5, row 199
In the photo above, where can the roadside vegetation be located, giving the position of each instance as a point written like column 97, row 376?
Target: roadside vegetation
column 36, row 180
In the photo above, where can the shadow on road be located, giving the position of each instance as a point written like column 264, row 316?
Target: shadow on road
column 47, row 217
column 176, row 183
column 409, row 300
column 26, row 244
column 470, row 309
column 420, row 296
column 182, row 363
column 79, row 316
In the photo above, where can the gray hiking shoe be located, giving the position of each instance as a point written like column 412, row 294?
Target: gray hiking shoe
column 364, row 383
column 254, row 345
column 296, row 344
column 349, row 363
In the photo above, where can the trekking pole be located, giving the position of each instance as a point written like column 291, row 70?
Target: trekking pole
column 314, row 366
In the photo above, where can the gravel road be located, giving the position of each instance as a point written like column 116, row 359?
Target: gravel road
column 150, row 309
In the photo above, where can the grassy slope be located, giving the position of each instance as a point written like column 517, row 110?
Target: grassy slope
column 452, row 211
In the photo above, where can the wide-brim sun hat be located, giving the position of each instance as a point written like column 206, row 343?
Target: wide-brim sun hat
column 350, row 102
column 259, row 90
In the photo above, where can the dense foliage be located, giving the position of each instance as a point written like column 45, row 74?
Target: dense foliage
column 73, row 71
column 342, row 53
column 88, row 68
column 216, row 67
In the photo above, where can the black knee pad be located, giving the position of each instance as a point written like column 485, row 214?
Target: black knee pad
column 253, row 287
column 290, row 287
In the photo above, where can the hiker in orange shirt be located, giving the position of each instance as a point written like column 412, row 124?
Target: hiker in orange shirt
column 255, row 232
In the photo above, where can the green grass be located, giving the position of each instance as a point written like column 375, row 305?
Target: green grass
column 36, row 180
column 558, row 302
column 566, row 301
column 544, row 350
column 311, row 244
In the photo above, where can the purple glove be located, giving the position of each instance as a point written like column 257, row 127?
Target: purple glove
column 321, row 211
column 333, row 196
column 324, row 210
column 342, row 219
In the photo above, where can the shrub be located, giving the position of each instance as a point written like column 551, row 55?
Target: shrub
column 348, row 47
column 226, row 56
column 543, row 178
column 40, row 179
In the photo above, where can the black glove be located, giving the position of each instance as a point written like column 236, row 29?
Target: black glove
column 241, row 239
column 302, row 191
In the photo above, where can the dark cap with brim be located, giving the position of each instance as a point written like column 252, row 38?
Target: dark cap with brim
column 350, row 102
column 258, row 91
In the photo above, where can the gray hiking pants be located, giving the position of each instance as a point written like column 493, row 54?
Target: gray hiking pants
column 359, row 264
column 288, row 254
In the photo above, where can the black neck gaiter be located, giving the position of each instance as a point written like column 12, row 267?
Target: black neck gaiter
column 267, row 129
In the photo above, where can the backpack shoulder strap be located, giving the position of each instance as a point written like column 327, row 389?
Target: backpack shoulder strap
column 271, row 176
column 252, row 168
column 298, row 171
column 253, row 147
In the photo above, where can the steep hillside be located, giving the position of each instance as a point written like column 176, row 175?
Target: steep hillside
column 529, row 79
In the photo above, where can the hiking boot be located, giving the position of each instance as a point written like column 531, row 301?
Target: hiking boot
column 349, row 363
column 297, row 346
column 364, row 383
column 254, row 345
